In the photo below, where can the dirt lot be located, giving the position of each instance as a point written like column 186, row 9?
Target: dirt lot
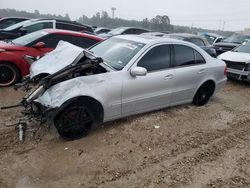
column 184, row 146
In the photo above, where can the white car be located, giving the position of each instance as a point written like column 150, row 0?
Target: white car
column 122, row 76
column 238, row 62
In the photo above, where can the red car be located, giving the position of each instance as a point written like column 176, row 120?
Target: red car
column 13, row 64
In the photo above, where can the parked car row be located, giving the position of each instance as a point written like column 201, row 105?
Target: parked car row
column 29, row 26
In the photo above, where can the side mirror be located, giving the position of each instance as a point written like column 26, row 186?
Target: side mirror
column 39, row 45
column 138, row 71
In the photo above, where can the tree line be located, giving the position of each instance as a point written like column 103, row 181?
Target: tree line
column 160, row 23
column 35, row 14
column 102, row 19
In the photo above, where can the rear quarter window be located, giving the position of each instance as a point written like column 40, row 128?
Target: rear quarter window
column 187, row 56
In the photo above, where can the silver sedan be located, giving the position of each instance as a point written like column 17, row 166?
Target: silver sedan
column 123, row 76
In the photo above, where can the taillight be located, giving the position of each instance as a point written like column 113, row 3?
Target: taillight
column 225, row 71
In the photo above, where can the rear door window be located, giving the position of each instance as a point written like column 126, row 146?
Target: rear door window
column 139, row 31
column 129, row 31
column 84, row 42
column 73, row 27
column 68, row 27
column 52, row 40
column 38, row 26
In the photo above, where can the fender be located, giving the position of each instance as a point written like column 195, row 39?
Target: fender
column 14, row 58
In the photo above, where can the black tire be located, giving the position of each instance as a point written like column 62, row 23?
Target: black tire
column 9, row 74
column 74, row 122
column 203, row 94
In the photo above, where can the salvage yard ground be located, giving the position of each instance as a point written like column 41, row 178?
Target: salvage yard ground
column 184, row 146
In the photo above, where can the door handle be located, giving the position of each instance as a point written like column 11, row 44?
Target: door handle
column 201, row 71
column 168, row 77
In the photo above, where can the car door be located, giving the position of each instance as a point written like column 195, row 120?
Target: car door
column 152, row 91
column 189, row 72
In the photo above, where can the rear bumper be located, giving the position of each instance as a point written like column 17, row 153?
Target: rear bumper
column 220, row 84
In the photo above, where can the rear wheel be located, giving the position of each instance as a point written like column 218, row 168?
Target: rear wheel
column 74, row 122
column 9, row 74
column 203, row 94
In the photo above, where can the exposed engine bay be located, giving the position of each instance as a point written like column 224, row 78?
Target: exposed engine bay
column 84, row 63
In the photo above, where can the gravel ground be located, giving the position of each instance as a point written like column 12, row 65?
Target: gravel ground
column 184, row 146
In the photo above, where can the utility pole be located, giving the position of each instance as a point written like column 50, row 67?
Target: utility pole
column 223, row 27
column 191, row 28
column 113, row 9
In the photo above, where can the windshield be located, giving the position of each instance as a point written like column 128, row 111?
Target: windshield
column 27, row 39
column 117, row 31
column 15, row 26
column 245, row 48
column 237, row 38
column 116, row 52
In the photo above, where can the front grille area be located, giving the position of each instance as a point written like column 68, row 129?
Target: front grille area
column 223, row 48
column 238, row 77
column 236, row 65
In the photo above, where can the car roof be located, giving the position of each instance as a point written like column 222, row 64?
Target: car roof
column 5, row 18
column 185, row 35
column 132, row 28
column 75, row 33
column 32, row 21
column 213, row 35
column 102, row 28
column 155, row 33
column 147, row 39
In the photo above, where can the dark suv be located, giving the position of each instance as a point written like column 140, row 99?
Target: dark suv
column 230, row 43
column 33, row 25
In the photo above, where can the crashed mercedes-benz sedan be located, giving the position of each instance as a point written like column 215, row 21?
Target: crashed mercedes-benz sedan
column 122, row 76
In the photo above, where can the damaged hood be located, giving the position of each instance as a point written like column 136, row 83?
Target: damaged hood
column 64, row 55
column 235, row 56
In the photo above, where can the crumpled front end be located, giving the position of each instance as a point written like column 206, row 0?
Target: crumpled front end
column 53, row 90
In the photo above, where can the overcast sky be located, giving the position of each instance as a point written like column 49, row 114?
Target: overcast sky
column 208, row 14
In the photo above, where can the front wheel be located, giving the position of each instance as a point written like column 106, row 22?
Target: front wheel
column 74, row 122
column 9, row 74
column 203, row 95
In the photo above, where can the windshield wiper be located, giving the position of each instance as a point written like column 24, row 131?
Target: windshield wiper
column 108, row 65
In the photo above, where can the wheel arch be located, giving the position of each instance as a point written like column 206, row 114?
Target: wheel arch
column 14, row 64
column 93, row 104
column 20, row 64
column 19, row 72
column 210, row 82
